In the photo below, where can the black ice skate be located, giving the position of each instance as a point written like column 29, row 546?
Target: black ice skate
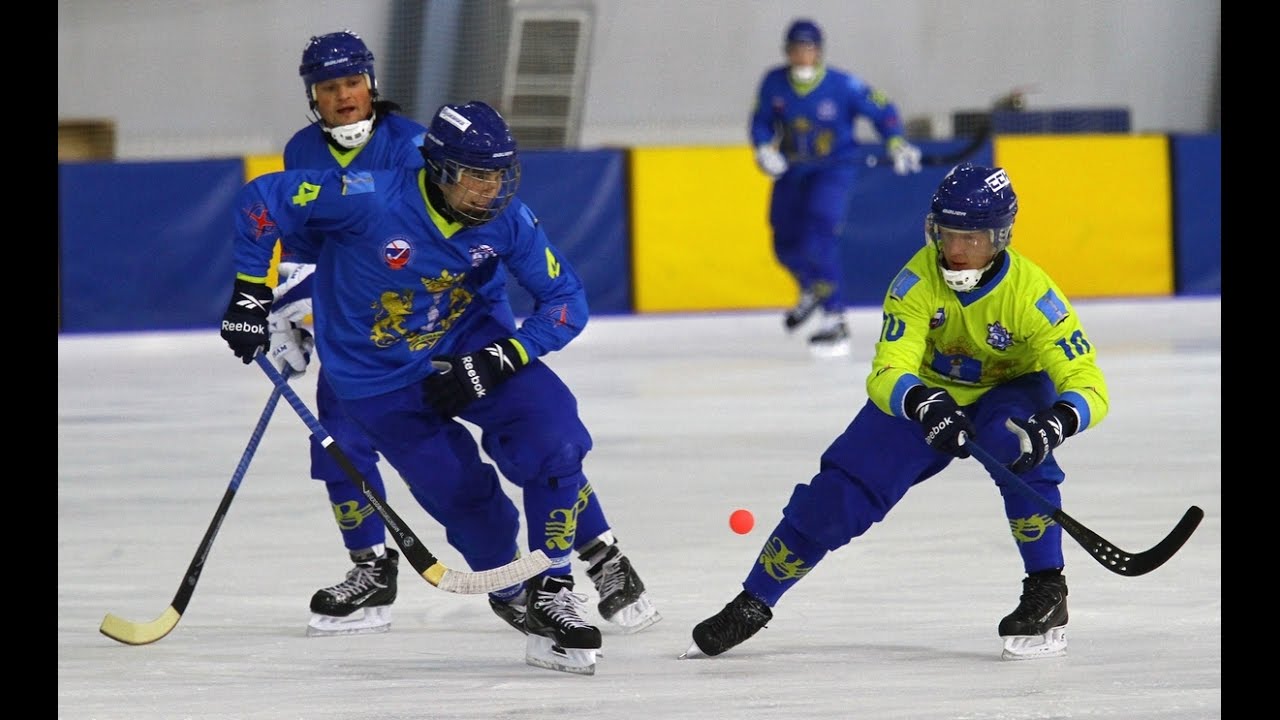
column 361, row 603
column 810, row 300
column 512, row 612
column 622, row 598
column 1037, row 627
column 738, row 621
column 559, row 639
column 832, row 338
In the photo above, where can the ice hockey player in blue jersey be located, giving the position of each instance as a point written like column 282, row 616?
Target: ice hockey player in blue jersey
column 410, row 343
column 977, row 342
column 354, row 128
column 802, row 127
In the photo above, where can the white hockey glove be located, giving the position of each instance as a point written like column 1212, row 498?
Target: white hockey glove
column 292, row 296
column 906, row 157
column 291, row 345
column 770, row 160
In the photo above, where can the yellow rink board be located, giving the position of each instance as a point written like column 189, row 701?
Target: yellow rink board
column 1095, row 211
column 700, row 240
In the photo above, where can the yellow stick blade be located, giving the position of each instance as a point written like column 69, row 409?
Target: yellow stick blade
column 131, row 633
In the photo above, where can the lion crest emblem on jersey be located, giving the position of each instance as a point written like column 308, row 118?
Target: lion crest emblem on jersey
column 998, row 337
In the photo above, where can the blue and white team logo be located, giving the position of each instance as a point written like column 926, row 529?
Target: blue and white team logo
column 480, row 254
column 998, row 337
column 827, row 110
column 396, row 252
column 939, row 317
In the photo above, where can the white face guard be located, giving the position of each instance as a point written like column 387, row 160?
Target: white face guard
column 805, row 61
column 804, row 73
column 960, row 280
column 354, row 135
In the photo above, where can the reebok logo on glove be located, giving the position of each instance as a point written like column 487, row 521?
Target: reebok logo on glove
column 504, row 363
column 477, row 386
column 1044, row 434
column 457, row 381
column 1039, row 434
column 946, row 427
column 251, row 303
column 933, row 431
column 1056, row 424
column 923, row 408
column 250, row 327
column 244, row 324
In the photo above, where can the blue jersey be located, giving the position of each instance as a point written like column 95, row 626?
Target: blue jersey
column 814, row 122
column 395, row 282
column 393, row 143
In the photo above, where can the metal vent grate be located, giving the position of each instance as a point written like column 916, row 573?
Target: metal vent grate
column 546, row 75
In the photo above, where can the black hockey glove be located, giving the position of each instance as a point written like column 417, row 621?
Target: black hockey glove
column 462, row 379
column 946, row 427
column 244, row 325
column 1039, row 434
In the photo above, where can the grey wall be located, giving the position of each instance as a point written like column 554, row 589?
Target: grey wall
column 184, row 78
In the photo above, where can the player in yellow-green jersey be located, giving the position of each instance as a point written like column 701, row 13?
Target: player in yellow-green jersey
column 977, row 342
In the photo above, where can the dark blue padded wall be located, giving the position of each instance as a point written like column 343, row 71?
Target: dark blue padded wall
column 146, row 245
column 581, row 200
column 1197, row 213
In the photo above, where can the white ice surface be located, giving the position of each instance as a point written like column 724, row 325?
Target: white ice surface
column 693, row 416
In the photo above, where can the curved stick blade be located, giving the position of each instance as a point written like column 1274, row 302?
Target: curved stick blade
column 1130, row 564
column 1104, row 551
column 487, row 581
column 132, row 633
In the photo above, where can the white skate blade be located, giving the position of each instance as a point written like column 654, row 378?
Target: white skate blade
column 544, row 653
column 1034, row 647
column 362, row 622
column 637, row 616
column 693, row 653
column 831, row 350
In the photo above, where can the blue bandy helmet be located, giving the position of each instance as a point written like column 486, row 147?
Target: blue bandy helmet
column 471, row 146
column 804, row 31
column 335, row 55
column 972, row 197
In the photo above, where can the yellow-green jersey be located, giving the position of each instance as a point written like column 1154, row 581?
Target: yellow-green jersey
column 1019, row 322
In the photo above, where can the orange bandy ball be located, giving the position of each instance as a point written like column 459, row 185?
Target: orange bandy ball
column 741, row 521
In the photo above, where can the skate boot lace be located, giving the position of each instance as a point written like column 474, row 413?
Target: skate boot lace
column 359, row 580
column 562, row 607
column 612, row 578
